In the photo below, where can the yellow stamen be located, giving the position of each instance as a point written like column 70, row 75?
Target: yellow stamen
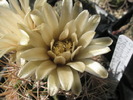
column 62, row 46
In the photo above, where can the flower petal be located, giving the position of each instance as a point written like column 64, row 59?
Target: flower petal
column 36, row 19
column 37, row 16
column 86, row 38
column 51, row 54
column 59, row 60
column 74, row 38
column 53, row 83
column 95, row 68
column 79, row 66
column 75, row 52
column 34, row 54
column 24, row 38
column 71, row 27
column 66, row 15
column 92, row 23
column 51, row 44
column 77, row 9
column 28, row 20
column 35, row 38
column 44, row 69
column 28, row 69
column 104, row 41
column 76, row 87
column 46, row 34
column 92, row 51
column 80, row 22
column 64, row 35
column 51, row 17
column 65, row 77
column 66, row 55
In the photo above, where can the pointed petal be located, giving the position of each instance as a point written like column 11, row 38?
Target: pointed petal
column 24, row 38
column 28, row 69
column 28, row 20
column 51, row 44
column 51, row 54
column 53, row 83
column 95, row 68
column 59, row 60
column 76, row 87
column 66, row 55
column 73, row 46
column 80, row 22
column 79, row 66
column 64, row 34
column 44, row 69
column 35, row 38
column 66, row 15
column 51, row 17
column 92, row 23
column 86, row 38
column 46, row 34
column 104, row 41
column 36, row 19
column 77, row 9
column 34, row 54
column 71, row 27
column 92, row 51
column 74, row 38
column 65, row 77
column 75, row 52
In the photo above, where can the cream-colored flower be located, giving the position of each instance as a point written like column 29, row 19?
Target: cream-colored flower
column 12, row 38
column 61, row 45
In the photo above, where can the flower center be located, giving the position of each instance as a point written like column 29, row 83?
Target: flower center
column 62, row 46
